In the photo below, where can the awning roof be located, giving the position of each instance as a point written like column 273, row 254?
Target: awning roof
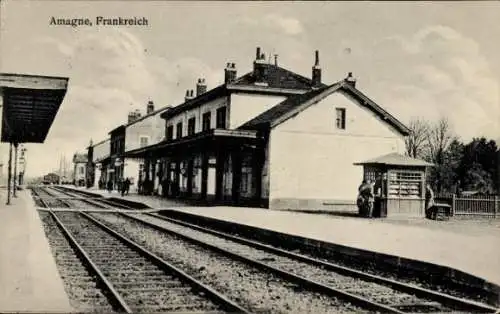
column 395, row 159
column 178, row 145
column 30, row 104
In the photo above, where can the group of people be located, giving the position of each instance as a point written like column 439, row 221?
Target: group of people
column 123, row 186
column 369, row 194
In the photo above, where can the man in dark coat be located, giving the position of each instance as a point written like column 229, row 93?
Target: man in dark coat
column 366, row 198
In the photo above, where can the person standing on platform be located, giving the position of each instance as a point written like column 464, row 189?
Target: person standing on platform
column 366, row 194
column 429, row 198
column 127, row 185
column 110, row 186
column 360, row 202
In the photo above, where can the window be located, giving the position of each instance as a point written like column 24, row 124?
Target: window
column 191, row 126
column 179, row 130
column 82, row 169
column 170, row 132
column 206, row 121
column 143, row 140
column 340, row 122
column 221, row 118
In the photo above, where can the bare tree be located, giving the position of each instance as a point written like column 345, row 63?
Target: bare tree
column 417, row 142
column 439, row 138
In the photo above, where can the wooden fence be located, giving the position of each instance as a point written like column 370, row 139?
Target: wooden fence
column 484, row 206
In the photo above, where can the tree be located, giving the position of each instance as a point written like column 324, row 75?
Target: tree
column 478, row 179
column 438, row 141
column 416, row 142
column 479, row 165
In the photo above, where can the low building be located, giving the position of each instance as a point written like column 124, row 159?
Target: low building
column 79, row 169
column 98, row 163
column 139, row 131
column 271, row 138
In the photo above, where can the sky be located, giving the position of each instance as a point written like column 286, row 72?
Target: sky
column 415, row 59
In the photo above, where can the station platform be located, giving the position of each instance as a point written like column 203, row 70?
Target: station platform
column 29, row 280
column 465, row 245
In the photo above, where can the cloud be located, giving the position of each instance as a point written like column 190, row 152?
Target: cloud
column 286, row 25
column 110, row 74
column 435, row 72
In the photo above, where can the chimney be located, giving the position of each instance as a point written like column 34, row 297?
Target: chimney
column 316, row 71
column 131, row 117
column 137, row 113
column 276, row 60
column 150, row 107
column 350, row 80
column 259, row 68
column 189, row 95
column 230, row 73
column 201, row 87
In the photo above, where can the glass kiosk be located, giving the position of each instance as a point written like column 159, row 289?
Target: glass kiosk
column 399, row 185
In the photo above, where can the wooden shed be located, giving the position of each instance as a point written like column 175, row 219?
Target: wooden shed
column 399, row 183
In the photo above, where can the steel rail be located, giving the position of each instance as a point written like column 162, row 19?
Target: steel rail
column 40, row 199
column 80, row 251
column 227, row 304
column 443, row 298
column 313, row 285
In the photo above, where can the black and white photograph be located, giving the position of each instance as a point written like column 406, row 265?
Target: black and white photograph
column 249, row 156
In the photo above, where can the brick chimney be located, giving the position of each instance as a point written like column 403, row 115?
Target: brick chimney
column 150, row 107
column 189, row 95
column 316, row 71
column 259, row 68
column 131, row 117
column 201, row 87
column 350, row 80
column 230, row 73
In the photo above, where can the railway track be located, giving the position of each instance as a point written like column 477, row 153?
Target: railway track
column 137, row 280
column 364, row 290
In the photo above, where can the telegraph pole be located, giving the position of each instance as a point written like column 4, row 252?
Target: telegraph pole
column 15, row 169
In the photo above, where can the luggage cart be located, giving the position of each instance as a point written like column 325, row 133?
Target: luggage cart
column 439, row 211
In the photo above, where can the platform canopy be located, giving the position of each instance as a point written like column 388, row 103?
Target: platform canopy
column 395, row 159
column 30, row 104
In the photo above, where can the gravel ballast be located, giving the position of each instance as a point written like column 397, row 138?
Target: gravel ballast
column 80, row 286
column 127, row 269
column 246, row 285
column 369, row 290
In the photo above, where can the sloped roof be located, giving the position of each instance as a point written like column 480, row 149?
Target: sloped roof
column 395, row 159
column 277, row 77
column 279, row 81
column 153, row 113
column 30, row 105
column 297, row 103
column 287, row 106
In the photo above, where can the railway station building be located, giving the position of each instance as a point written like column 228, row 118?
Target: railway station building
column 270, row 138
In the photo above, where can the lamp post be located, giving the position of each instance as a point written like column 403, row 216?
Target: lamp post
column 9, row 174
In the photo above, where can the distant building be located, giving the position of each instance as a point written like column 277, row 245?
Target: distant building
column 98, row 163
column 107, row 159
column 79, row 169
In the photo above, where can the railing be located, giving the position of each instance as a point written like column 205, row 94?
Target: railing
column 484, row 206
